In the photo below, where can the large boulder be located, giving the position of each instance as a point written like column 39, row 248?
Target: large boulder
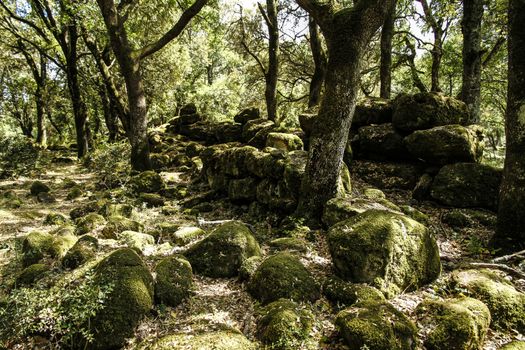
column 35, row 246
column 222, row 253
column 284, row 141
column 88, row 223
column 343, row 208
column 147, row 181
column 381, row 142
column 174, row 281
column 84, row 250
column 372, row 110
column 426, row 110
column 454, row 324
column 243, row 189
column 129, row 300
column 38, row 187
column 506, row 304
column 387, row 250
column 117, row 224
column 447, row 144
column 31, row 274
column 283, row 276
column 284, row 325
column 247, row 114
column 264, row 165
column 376, row 326
column 345, row 294
column 466, row 185
column 252, row 127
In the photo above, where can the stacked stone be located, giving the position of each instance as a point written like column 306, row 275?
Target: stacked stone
column 422, row 142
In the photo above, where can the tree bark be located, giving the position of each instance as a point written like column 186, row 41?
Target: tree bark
column 510, row 233
column 348, row 33
column 471, row 28
column 41, row 135
column 320, row 62
column 272, row 73
column 437, row 47
column 385, row 70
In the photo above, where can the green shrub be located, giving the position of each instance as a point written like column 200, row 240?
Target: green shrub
column 18, row 155
column 111, row 164
column 62, row 314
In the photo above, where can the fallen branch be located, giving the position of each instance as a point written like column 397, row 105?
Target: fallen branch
column 508, row 257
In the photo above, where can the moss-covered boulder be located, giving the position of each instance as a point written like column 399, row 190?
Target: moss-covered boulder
column 35, row 246
column 90, row 207
column 465, row 185
column 247, row 114
column 152, row 199
column 117, row 224
column 223, row 251
column 75, row 193
column 248, row 267
column 415, row 214
column 130, row 299
column 339, row 209
column 254, row 126
column 372, row 110
column 136, row 240
column 455, row 324
column 376, row 326
column 283, row 276
column 387, row 250
column 184, row 235
column 427, row 110
column 344, row 294
column 447, row 144
column 284, row 141
column 38, row 187
column 291, row 244
column 227, row 339
column 264, row 165
column 88, row 223
column 243, row 189
column 46, row 197
column 506, row 304
column 84, row 250
column 284, row 325
column 55, row 219
column 388, row 175
column 174, row 281
column 61, row 243
column 147, row 181
column 31, row 274
column 380, row 142
column 514, row 345
column 116, row 209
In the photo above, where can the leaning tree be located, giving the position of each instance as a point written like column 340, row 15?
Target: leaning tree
column 348, row 32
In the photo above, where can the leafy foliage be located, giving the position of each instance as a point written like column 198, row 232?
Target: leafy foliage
column 111, row 163
column 18, row 155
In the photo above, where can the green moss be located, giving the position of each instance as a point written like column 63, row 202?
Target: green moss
column 136, row 240
column 148, row 181
column 373, row 194
column 215, row 340
column 339, row 209
column 55, row 219
column 31, row 274
column 506, row 304
column 88, row 223
column 61, row 244
column 457, row 219
column 248, row 267
column 289, row 243
column 284, row 325
column 83, row 251
column 515, row 345
column 376, row 326
column 174, row 281
column 387, row 250
column 117, row 224
column 283, row 141
column 223, row 251
column 39, row 187
column 185, row 235
column 35, row 246
column 152, row 199
column 75, row 193
column 415, row 214
column 283, row 276
column 456, row 324
column 130, row 299
column 345, row 294
column 10, row 200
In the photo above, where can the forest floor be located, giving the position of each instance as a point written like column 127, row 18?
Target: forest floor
column 219, row 302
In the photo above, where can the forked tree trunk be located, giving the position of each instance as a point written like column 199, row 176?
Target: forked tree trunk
column 471, row 28
column 510, row 234
column 385, row 70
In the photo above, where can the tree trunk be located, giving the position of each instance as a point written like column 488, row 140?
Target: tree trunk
column 273, row 59
column 110, row 117
column 471, row 28
column 437, row 55
column 41, row 136
column 347, row 34
column 385, row 71
column 319, row 57
column 510, row 233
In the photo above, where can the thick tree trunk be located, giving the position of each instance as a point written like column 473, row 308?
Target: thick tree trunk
column 273, row 59
column 471, row 28
column 437, row 55
column 319, row 57
column 510, row 233
column 385, row 70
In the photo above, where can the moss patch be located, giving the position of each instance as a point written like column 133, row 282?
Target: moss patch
column 35, row 246
column 31, row 274
column 88, row 223
column 83, row 250
column 217, row 340
column 344, row 294
column 174, row 281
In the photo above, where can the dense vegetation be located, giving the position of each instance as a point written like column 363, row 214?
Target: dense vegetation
column 282, row 174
